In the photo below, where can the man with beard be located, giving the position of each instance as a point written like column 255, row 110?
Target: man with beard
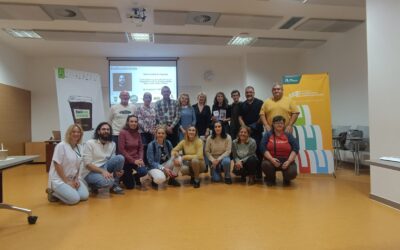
column 102, row 167
column 167, row 114
column 250, row 117
column 279, row 105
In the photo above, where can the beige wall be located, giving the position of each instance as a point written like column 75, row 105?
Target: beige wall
column 383, row 71
column 344, row 58
column 262, row 70
column 383, row 92
column 13, row 67
column 228, row 74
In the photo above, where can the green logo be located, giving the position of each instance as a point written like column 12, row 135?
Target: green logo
column 61, row 73
column 291, row 79
column 82, row 113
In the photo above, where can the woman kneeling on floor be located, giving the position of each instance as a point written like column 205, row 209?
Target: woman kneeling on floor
column 161, row 164
column 131, row 147
column 192, row 155
column 279, row 149
column 244, row 155
column 218, row 149
column 64, row 182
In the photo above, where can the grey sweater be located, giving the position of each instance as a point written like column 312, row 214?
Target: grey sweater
column 243, row 151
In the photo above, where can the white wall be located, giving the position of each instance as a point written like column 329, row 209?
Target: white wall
column 383, row 71
column 228, row 75
column 344, row 57
column 43, row 89
column 262, row 70
column 383, row 57
column 13, row 66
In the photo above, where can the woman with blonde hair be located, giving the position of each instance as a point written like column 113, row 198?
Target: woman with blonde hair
column 203, row 116
column 191, row 149
column 187, row 115
column 162, row 164
column 64, row 182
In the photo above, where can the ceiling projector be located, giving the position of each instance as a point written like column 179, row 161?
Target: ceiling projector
column 138, row 14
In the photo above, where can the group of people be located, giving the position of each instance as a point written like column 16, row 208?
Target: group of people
column 174, row 137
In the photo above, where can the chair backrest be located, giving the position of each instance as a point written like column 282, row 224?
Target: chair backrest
column 364, row 129
column 336, row 130
column 355, row 133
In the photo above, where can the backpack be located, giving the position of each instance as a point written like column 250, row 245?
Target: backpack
column 342, row 137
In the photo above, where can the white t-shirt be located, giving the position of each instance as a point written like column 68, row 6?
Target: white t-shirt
column 118, row 115
column 70, row 160
column 94, row 152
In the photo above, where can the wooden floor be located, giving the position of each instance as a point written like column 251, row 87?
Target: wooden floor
column 317, row 212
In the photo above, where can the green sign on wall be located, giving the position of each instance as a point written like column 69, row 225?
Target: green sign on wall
column 291, row 79
column 61, row 73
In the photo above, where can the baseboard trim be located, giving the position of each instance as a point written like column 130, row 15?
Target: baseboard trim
column 385, row 201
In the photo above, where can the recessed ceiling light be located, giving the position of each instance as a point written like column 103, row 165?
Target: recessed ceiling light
column 65, row 12
column 141, row 37
column 202, row 18
column 22, row 33
column 241, row 40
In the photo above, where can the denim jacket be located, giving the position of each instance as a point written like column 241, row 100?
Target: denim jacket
column 154, row 153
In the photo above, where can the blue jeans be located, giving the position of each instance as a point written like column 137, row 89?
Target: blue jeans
column 113, row 165
column 70, row 195
column 225, row 165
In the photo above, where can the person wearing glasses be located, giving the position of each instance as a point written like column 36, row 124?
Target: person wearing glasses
column 279, row 149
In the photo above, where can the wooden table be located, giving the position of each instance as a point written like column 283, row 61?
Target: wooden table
column 14, row 161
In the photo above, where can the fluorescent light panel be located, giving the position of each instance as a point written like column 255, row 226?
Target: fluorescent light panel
column 142, row 37
column 241, row 40
column 22, row 33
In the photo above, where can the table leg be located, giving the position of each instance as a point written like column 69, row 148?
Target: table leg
column 1, row 186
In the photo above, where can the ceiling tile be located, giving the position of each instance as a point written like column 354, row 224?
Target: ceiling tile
column 87, row 36
column 328, row 25
column 247, row 21
column 23, row 12
column 101, row 15
column 191, row 39
column 166, row 17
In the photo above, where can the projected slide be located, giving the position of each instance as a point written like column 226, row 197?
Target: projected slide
column 140, row 77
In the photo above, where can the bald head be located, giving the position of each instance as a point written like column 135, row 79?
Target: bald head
column 277, row 91
column 124, row 96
